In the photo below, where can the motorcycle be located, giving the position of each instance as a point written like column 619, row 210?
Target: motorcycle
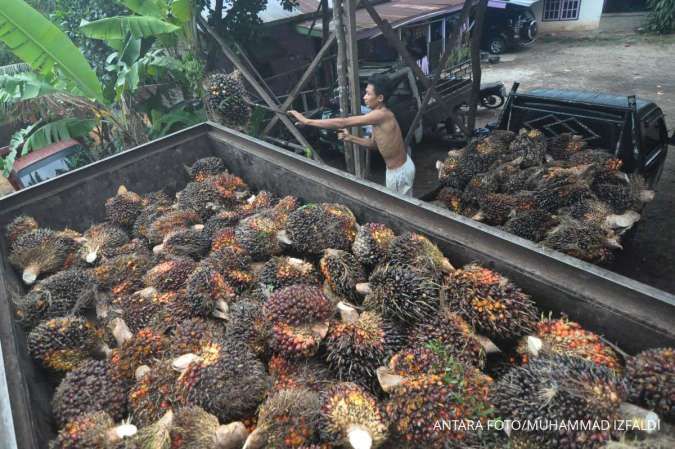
column 492, row 95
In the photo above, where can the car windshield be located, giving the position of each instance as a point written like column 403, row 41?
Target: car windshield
column 62, row 162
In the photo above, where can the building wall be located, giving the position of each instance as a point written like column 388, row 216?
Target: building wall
column 589, row 18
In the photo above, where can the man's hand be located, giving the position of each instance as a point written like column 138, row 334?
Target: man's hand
column 298, row 117
column 344, row 135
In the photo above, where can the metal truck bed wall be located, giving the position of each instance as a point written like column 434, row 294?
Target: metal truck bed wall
column 631, row 314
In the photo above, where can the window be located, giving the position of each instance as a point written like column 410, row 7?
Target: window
column 561, row 10
column 56, row 164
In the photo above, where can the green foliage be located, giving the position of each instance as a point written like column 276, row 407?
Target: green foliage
column 45, row 47
column 154, row 8
column 661, row 16
column 23, row 87
column 117, row 28
column 17, row 140
column 64, row 129
column 175, row 120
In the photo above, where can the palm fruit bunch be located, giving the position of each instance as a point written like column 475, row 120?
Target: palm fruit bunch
column 560, row 187
column 288, row 419
column 651, row 379
column 602, row 159
column 411, row 248
column 583, row 240
column 195, row 428
column 283, row 209
column 188, row 242
column 491, row 303
column 102, row 240
column 19, row 226
column 496, row 208
column 530, row 146
column 500, row 140
column 478, row 157
column 141, row 308
column 622, row 192
column 225, row 379
column 371, row 243
column 167, row 222
column 207, row 292
column 123, row 274
column 153, row 394
column 205, row 167
column 88, row 388
column 279, row 272
column 566, row 337
column 61, row 344
column 234, row 264
column 313, row 228
column 557, row 389
column 590, row 211
column 58, row 295
column 416, row 361
column 262, row 201
column 479, row 186
column 452, row 172
column 94, row 430
column 352, row 417
column 246, row 324
column 136, row 349
column 342, row 271
column 402, row 293
column 513, row 179
column 193, row 334
column 232, row 189
column 298, row 316
column 224, row 220
column 299, row 373
column 453, row 199
column 199, row 197
column 42, row 252
column 358, row 344
column 565, row 145
column 226, row 95
column 257, row 234
column 449, row 330
column 531, row 224
column 170, row 275
column 123, row 208
column 417, row 402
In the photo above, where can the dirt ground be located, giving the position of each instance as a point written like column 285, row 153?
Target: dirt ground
column 620, row 64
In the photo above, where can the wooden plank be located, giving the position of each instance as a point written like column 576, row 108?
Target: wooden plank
column 475, row 63
column 354, row 87
column 338, row 17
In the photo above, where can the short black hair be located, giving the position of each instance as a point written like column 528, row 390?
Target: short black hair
column 381, row 85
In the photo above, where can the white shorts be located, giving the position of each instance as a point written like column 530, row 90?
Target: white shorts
column 401, row 179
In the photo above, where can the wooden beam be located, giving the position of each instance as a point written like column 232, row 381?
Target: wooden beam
column 354, row 86
column 258, row 88
column 475, row 63
column 338, row 17
column 303, row 80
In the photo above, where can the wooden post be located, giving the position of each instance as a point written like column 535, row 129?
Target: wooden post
column 354, row 85
column 258, row 88
column 342, row 75
column 475, row 63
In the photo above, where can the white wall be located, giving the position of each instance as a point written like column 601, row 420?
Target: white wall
column 589, row 18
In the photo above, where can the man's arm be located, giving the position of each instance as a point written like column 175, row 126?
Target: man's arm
column 372, row 118
column 362, row 141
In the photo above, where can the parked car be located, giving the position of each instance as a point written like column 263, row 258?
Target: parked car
column 48, row 162
column 509, row 25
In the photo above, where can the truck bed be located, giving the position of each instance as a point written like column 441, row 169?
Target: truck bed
column 630, row 314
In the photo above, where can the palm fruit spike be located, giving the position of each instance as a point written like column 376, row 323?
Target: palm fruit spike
column 342, row 271
column 234, row 264
column 41, row 252
column 599, row 213
column 225, row 379
column 19, row 226
column 58, row 295
column 496, row 208
column 123, row 208
column 223, row 238
column 530, row 224
column 452, row 172
column 358, row 344
column 401, row 293
column 226, row 95
column 199, row 197
column 247, row 325
column 279, row 272
column 223, row 220
column 136, row 349
column 531, row 146
column 410, row 362
column 156, row 435
column 191, row 335
column 170, row 275
column 170, row 221
column 371, row 243
column 353, row 417
column 565, row 145
column 89, row 388
column 453, row 333
column 453, row 200
column 491, row 303
column 99, row 238
column 315, row 227
column 623, row 192
column 153, row 394
column 191, row 242
column 282, row 210
column 208, row 293
column 123, row 274
column 569, row 338
column 257, row 203
column 416, row 402
column 651, row 378
column 563, row 388
column 257, row 234
column 287, row 419
column 232, row 189
column 585, row 241
column 288, row 374
column 95, row 430
column 60, row 344
column 414, row 249
column 299, row 318
column 601, row 158
column 194, row 428
column 205, row 167
column 145, row 307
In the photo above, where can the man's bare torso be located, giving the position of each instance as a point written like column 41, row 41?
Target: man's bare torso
column 389, row 140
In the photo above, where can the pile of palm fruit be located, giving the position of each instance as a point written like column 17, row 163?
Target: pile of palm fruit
column 232, row 319
column 556, row 191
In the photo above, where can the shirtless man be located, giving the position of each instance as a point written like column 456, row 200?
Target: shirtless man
column 387, row 137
